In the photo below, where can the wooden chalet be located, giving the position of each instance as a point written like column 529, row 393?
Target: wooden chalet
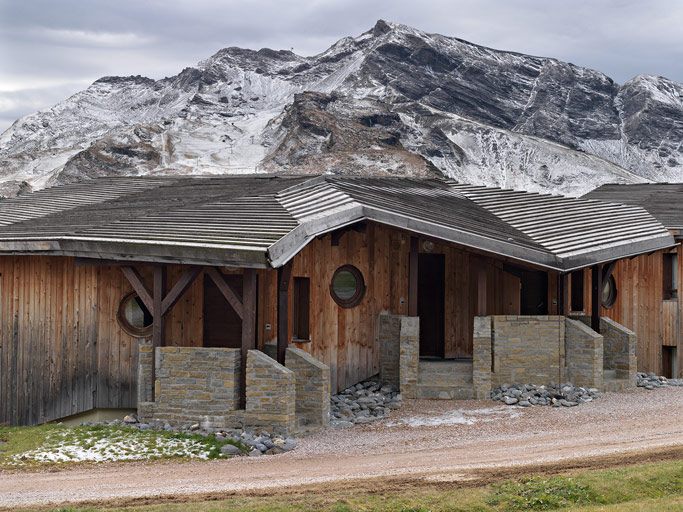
column 649, row 285
column 262, row 262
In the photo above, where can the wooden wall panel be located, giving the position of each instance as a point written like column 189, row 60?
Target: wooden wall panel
column 62, row 350
column 48, row 339
column 641, row 307
column 346, row 339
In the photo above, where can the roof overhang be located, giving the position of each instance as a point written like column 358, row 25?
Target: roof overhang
column 153, row 252
column 287, row 247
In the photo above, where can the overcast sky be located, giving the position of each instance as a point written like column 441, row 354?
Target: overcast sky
column 50, row 49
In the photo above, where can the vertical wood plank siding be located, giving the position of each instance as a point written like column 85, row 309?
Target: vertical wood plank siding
column 346, row 339
column 640, row 306
column 61, row 348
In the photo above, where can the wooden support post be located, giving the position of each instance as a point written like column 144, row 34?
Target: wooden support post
column 249, row 292
column 158, row 331
column 481, row 290
column 284, row 275
column 596, row 292
column 561, row 294
column 412, row 275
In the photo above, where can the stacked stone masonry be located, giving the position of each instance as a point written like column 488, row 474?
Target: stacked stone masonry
column 409, row 358
column 271, row 394
column 528, row 349
column 584, row 355
column 399, row 340
column 482, row 345
column 192, row 384
column 550, row 349
column 202, row 385
column 389, row 349
column 312, row 388
column 619, row 354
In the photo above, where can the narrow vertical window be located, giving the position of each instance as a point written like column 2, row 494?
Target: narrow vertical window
column 301, row 306
column 670, row 273
column 577, row 290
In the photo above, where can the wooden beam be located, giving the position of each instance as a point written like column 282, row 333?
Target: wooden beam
column 228, row 291
column 284, row 275
column 179, row 288
column 158, row 324
column 249, row 294
column 412, row 275
column 157, row 312
column 596, row 292
column 138, row 285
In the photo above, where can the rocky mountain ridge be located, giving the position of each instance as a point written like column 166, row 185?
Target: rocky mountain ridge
column 394, row 100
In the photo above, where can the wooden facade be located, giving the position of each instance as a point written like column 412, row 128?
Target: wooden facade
column 641, row 305
column 63, row 351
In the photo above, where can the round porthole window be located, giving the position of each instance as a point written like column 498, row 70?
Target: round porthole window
column 134, row 317
column 347, row 287
column 609, row 292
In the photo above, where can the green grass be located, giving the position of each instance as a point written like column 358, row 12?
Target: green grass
column 27, row 446
column 644, row 487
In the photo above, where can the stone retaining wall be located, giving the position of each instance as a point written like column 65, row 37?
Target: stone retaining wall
column 399, row 339
column 190, row 383
column 549, row 349
column 145, row 371
column 202, row 385
column 619, row 350
column 584, row 355
column 389, row 349
column 482, row 357
column 271, row 394
column 527, row 349
column 409, row 358
column 312, row 388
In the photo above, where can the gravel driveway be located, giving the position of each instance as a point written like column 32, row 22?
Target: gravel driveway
column 431, row 439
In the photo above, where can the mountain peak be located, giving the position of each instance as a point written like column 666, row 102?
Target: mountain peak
column 381, row 28
column 393, row 100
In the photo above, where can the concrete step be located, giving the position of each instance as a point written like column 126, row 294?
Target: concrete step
column 445, row 373
column 445, row 380
column 609, row 374
column 617, row 385
column 432, row 392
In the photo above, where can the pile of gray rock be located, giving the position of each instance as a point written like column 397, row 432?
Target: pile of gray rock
column 652, row 381
column 555, row 395
column 364, row 402
column 254, row 443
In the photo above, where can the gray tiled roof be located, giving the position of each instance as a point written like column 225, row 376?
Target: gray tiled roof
column 261, row 220
column 663, row 200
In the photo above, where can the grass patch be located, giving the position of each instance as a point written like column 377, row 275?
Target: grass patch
column 29, row 446
column 538, row 493
column 644, row 487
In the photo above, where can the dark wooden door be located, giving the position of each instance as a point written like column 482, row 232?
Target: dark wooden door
column 222, row 326
column 430, row 304
column 534, row 300
column 668, row 358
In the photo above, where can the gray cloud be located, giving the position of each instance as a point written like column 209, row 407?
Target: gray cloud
column 51, row 49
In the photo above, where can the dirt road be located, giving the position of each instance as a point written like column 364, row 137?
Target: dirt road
column 426, row 439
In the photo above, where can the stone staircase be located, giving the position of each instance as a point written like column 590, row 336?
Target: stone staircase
column 611, row 382
column 445, row 379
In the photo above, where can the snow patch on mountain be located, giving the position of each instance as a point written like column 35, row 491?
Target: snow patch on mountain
column 393, row 100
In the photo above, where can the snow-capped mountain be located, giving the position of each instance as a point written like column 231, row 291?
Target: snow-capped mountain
column 393, row 100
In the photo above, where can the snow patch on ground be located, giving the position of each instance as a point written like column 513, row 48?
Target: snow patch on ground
column 459, row 417
column 64, row 446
